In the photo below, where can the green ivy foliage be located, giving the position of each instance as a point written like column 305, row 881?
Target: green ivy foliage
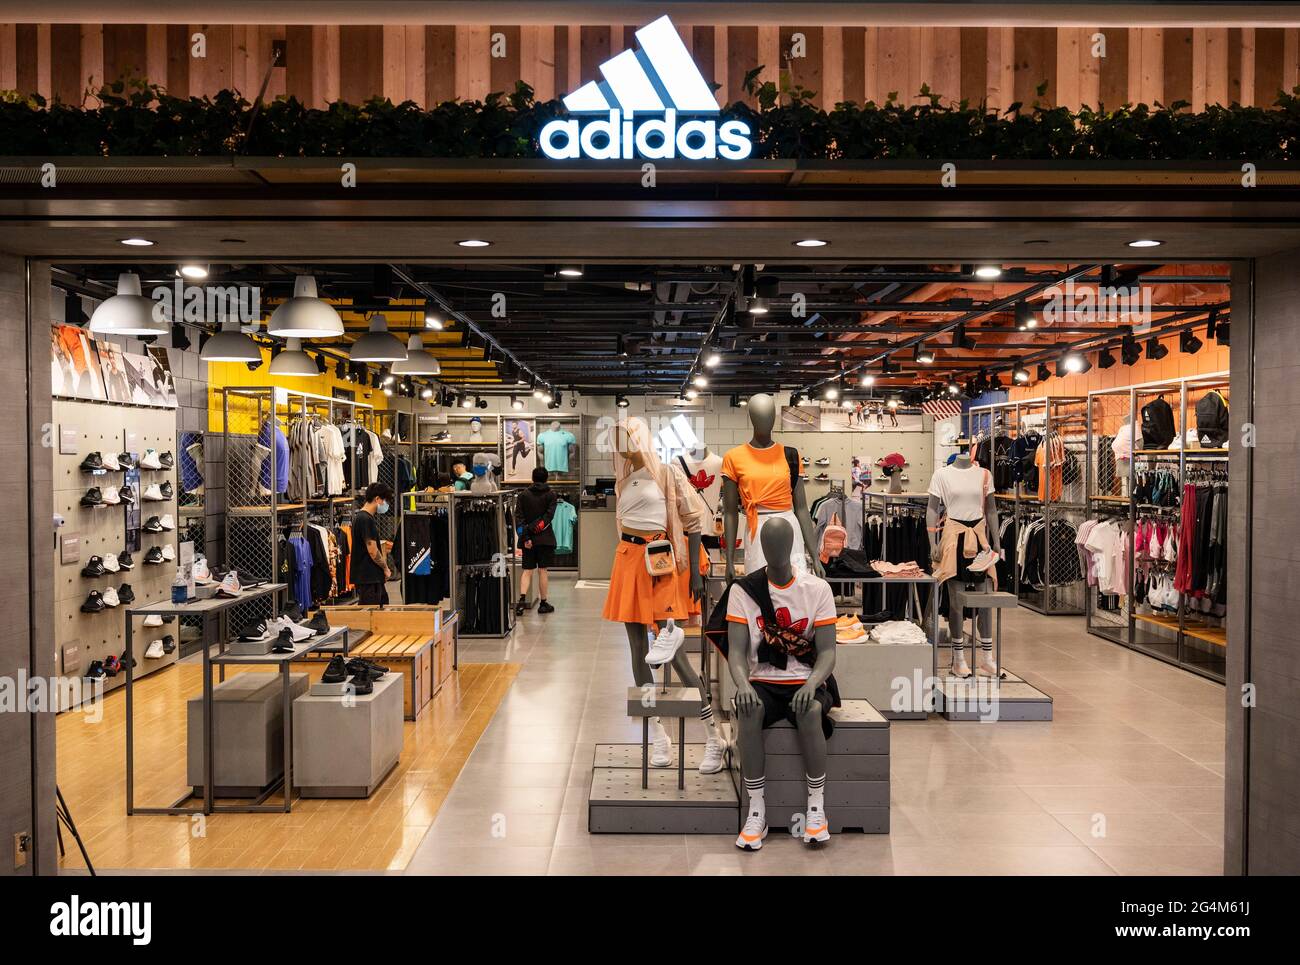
column 137, row 119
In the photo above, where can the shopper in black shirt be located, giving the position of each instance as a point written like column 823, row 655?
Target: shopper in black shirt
column 536, row 511
column 369, row 552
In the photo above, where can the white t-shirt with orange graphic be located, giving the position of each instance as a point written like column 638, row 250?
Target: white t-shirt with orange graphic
column 802, row 605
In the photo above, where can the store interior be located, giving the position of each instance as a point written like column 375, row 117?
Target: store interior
column 497, row 734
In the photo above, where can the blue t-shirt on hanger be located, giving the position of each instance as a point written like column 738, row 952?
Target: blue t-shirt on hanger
column 555, row 449
column 281, row 458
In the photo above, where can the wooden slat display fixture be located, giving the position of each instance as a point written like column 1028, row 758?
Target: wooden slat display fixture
column 431, row 63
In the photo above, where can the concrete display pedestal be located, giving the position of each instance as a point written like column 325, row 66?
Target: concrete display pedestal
column 857, row 772
column 247, row 731
column 618, row 804
column 347, row 746
column 893, row 678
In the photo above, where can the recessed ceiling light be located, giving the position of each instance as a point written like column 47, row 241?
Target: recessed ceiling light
column 194, row 270
column 474, row 243
column 1145, row 243
column 811, row 243
column 137, row 242
column 570, row 271
column 988, row 271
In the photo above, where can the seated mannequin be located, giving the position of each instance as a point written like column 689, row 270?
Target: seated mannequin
column 774, row 684
column 965, row 549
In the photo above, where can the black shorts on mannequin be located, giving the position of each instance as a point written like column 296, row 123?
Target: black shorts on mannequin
column 776, row 704
column 538, row 556
column 372, row 594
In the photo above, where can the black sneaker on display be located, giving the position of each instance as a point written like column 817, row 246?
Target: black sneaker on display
column 153, row 525
column 94, row 602
column 93, row 497
column 94, row 567
column 125, row 461
column 253, row 632
column 166, row 490
column 167, row 461
column 125, row 594
column 284, row 642
column 95, row 670
column 823, row 477
column 545, row 607
column 111, row 666
column 125, row 561
column 169, row 643
column 362, row 685
column 294, row 612
column 361, row 667
column 155, row 555
column 317, row 624
column 336, row 672
column 92, row 463
column 126, row 494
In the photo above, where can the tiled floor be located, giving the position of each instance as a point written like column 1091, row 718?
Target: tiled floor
column 1127, row 779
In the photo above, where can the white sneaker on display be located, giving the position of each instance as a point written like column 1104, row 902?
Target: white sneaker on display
column 167, row 521
column 960, row 668
column 110, row 597
column 752, row 834
column 150, row 460
column 111, row 463
column 168, row 552
column 230, row 585
column 661, row 746
column 714, row 755
column 111, row 565
column 665, row 646
column 153, row 494
column 200, row 572
column 155, row 651
column 111, row 497
column 298, row 633
column 153, row 620
column 983, row 562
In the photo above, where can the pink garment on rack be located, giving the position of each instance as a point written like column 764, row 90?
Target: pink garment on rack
column 895, row 570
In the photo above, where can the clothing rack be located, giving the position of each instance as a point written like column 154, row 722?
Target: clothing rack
column 1181, row 635
column 493, row 562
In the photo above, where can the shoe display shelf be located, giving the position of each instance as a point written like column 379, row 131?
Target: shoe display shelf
column 83, row 639
column 418, row 643
column 857, row 773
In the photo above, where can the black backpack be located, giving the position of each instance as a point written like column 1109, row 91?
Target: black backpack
column 1157, row 425
column 1212, row 420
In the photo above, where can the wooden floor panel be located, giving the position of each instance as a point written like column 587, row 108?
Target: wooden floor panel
column 377, row 834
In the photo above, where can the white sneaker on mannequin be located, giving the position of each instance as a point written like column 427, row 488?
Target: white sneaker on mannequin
column 715, row 749
column 984, row 665
column 665, row 645
column 960, row 668
column 661, row 745
column 752, row 834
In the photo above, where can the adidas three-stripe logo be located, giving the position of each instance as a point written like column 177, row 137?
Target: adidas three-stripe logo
column 659, row 76
column 658, row 79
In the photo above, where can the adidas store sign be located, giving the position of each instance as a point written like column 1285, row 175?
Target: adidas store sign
column 660, row 79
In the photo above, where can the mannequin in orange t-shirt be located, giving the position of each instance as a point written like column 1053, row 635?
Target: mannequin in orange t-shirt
column 756, row 479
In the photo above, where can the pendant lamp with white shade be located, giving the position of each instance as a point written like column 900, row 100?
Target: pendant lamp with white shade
column 294, row 361
column 128, row 312
column 230, row 345
column 418, row 360
column 378, row 345
column 304, row 315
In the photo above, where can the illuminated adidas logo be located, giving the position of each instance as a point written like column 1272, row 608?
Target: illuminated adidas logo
column 660, row 78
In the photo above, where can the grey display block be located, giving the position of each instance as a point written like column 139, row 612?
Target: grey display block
column 345, row 747
column 839, row 767
column 985, row 699
column 893, row 678
column 983, row 599
column 663, row 702
column 617, row 804
column 859, row 729
column 247, row 733
column 867, row 820
column 251, row 648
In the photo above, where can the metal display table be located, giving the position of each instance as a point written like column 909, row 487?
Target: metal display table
column 336, row 640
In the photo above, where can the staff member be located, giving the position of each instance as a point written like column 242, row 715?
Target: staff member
column 537, row 510
column 369, row 552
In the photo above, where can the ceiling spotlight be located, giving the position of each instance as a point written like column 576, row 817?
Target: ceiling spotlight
column 1188, row 343
column 924, row 356
column 378, row 344
column 621, row 401
column 1075, row 363
column 692, row 394
column 868, row 379
column 1222, row 333
column 892, row 403
column 1025, row 318
column 712, row 359
column 180, row 340
column 995, row 382
column 480, row 402
column 547, row 397
column 538, row 392
column 432, row 319
column 305, row 315
column 1129, row 350
column 1210, row 323
column 1155, row 350
column 320, row 364
column 75, row 314
column 426, row 392
column 811, row 243
column 570, row 271
column 831, row 393
column 293, row 361
column 1020, row 374
column 231, row 345
column 388, row 391
column 758, row 306
column 953, row 387
column 1043, row 373
column 516, row 403
column 1145, row 243
column 128, row 312
column 418, row 360
column 960, row 339
column 193, row 270
column 1105, row 359
column 988, row 271
column 699, row 381
column 474, row 243
column 744, row 402
column 387, row 379
column 466, row 402
column 136, row 242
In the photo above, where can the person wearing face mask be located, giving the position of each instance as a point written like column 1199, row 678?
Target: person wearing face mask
column 369, row 552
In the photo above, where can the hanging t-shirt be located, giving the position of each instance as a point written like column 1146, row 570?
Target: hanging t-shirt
column 763, row 478
column 562, row 523
column 705, row 477
column 802, row 605
column 281, row 458
column 962, row 491
column 1050, row 457
column 555, row 449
